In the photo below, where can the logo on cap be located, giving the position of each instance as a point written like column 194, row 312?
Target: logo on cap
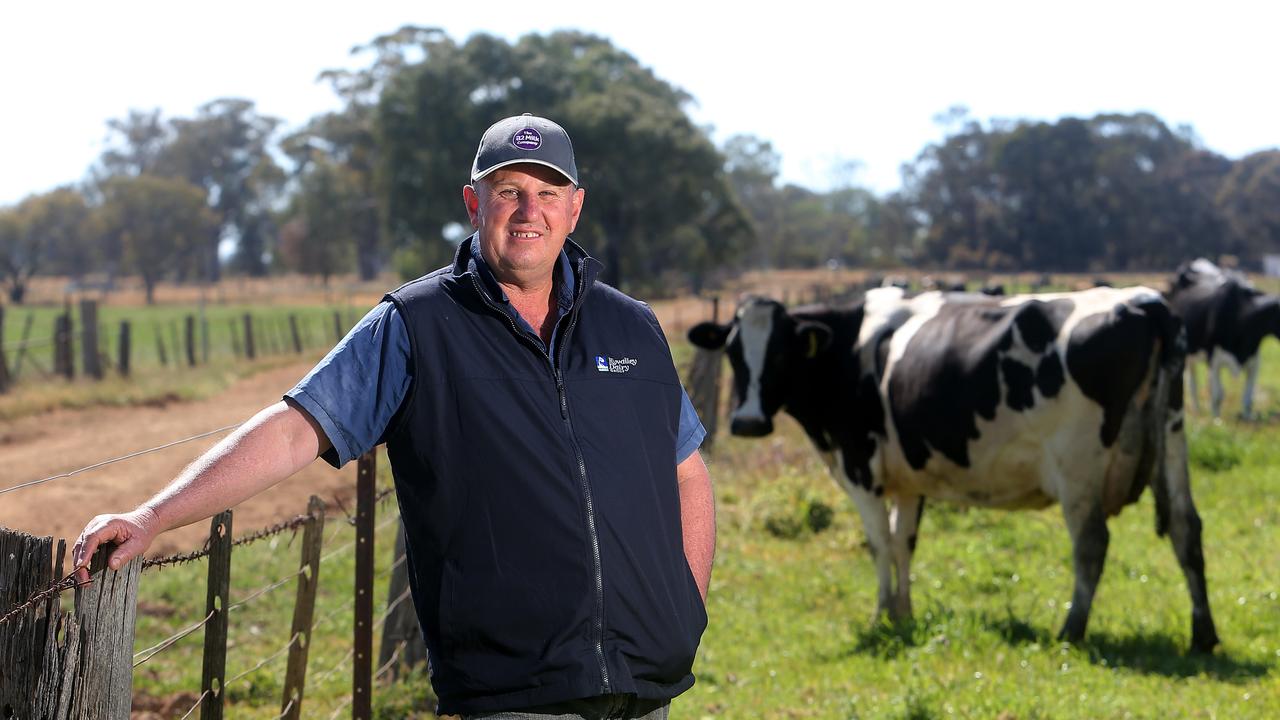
column 527, row 139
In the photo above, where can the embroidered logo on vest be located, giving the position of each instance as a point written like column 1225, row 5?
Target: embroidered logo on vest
column 614, row 365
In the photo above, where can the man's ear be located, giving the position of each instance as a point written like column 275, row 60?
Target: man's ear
column 709, row 335
column 471, row 198
column 812, row 338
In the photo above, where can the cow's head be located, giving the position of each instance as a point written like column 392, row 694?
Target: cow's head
column 767, row 347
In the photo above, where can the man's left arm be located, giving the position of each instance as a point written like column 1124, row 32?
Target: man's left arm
column 697, row 518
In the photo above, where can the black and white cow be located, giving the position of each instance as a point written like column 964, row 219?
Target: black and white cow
column 1014, row 402
column 1227, row 319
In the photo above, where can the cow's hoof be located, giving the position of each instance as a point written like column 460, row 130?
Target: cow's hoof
column 1204, row 637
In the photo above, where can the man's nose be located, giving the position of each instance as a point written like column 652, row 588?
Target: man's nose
column 526, row 207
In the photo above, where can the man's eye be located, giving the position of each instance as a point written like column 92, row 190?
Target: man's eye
column 508, row 194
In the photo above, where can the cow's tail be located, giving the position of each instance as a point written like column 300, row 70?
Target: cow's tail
column 1169, row 446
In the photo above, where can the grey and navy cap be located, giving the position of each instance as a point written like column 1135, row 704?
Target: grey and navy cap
column 525, row 139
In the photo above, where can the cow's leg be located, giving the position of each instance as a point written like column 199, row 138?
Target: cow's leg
column 904, row 523
column 1184, row 534
column 875, row 521
column 1089, row 537
column 1216, row 392
column 1250, row 382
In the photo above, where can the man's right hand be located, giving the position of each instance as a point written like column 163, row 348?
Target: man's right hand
column 131, row 533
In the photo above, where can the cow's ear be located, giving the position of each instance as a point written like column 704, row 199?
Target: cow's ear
column 812, row 338
column 709, row 335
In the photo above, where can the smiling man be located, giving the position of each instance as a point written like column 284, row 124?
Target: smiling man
column 559, row 519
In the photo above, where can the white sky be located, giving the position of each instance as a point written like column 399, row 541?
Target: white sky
column 825, row 82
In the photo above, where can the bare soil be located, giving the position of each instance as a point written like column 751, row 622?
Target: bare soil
column 49, row 444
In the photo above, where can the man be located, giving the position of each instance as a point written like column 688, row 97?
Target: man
column 559, row 520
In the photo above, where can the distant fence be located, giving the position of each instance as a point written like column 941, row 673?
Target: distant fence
column 95, row 349
column 56, row 664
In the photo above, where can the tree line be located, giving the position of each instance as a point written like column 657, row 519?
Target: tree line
column 376, row 184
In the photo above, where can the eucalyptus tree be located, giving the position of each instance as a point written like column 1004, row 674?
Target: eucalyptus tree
column 35, row 232
column 656, row 185
column 162, row 224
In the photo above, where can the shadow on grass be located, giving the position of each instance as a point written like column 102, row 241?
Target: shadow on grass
column 883, row 639
column 1152, row 654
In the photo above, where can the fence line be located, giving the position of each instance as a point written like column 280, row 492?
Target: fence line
column 212, row 696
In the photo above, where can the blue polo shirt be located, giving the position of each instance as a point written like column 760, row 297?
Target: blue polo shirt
column 356, row 390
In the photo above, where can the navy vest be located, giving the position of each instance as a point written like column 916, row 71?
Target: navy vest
column 539, row 497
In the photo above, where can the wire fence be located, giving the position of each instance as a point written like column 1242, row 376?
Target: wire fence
column 80, row 344
column 317, row 550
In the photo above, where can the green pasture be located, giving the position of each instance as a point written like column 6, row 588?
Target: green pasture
column 161, row 329
column 791, row 633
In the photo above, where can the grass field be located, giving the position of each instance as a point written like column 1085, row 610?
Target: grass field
column 791, row 633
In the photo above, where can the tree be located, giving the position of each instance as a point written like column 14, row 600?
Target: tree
column 1249, row 201
column 649, row 172
column 162, row 224
column 224, row 150
column 135, row 144
column 41, row 227
column 316, row 238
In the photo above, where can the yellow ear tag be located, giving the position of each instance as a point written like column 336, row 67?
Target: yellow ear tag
column 813, row 346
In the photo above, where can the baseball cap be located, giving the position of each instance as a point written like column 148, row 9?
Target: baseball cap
column 525, row 138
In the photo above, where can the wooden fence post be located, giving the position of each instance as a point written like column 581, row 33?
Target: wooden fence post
column 164, row 357
column 249, row 350
column 235, row 338
column 400, row 629
column 173, row 337
column 191, row 340
column 337, row 326
column 297, row 336
column 214, row 666
column 24, row 571
column 63, row 363
column 122, row 359
column 362, row 666
column 89, row 339
column 304, row 607
column 704, row 385
column 75, row 665
column 4, row 362
column 22, row 343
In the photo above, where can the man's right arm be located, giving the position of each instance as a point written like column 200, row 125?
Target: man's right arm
column 274, row 444
column 339, row 410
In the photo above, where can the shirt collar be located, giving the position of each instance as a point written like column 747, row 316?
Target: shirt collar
column 564, row 289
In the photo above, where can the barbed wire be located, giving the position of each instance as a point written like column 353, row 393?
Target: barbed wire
column 292, row 523
column 57, row 588
column 69, row 582
column 122, row 458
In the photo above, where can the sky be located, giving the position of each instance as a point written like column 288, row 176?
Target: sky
column 825, row 82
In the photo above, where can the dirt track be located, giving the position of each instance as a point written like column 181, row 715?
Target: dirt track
column 37, row 447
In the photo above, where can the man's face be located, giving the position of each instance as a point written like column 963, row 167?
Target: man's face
column 523, row 214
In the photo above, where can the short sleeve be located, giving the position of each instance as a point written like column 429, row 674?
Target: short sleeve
column 689, row 436
column 356, row 390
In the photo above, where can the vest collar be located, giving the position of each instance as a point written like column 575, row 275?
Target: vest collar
column 585, row 268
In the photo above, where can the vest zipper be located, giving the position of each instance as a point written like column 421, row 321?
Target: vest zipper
column 592, row 533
